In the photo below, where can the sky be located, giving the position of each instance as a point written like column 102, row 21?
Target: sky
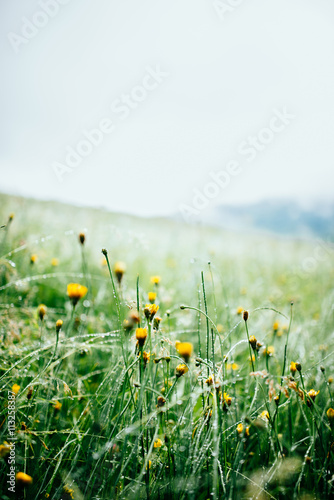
column 156, row 107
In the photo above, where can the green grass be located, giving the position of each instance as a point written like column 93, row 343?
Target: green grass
column 87, row 414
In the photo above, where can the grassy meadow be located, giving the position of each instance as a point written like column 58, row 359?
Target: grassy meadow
column 192, row 363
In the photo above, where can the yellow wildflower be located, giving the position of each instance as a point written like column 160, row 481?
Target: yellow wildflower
column 264, row 415
column 59, row 324
column 276, row 326
column 33, row 259
column 150, row 310
column 23, row 479
column 16, row 388
column 4, row 449
column 119, row 270
column 69, row 491
column 312, row 394
column 141, row 335
column 41, row 310
column 57, row 405
column 227, row 399
column 75, row 291
column 293, row 367
column 185, row 349
column 146, row 357
column 270, row 350
column 240, row 429
column 152, row 296
column 54, row 262
column 158, row 443
column 233, row 366
column 181, row 369
column 239, row 310
column 155, row 280
column 330, row 414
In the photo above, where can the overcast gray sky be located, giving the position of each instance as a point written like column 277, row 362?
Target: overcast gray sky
column 179, row 88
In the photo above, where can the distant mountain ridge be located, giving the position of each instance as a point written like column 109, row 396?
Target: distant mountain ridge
column 284, row 218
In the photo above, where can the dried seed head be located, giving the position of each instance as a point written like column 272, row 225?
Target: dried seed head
column 253, row 341
column 161, row 401
column 245, row 315
column 82, row 238
column 156, row 322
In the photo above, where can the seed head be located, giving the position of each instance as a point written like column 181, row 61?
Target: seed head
column 30, row 392
column 82, row 238
column 156, row 322
column 253, row 341
column 245, row 315
column 161, row 401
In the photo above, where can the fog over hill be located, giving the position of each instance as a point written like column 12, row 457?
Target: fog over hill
column 279, row 217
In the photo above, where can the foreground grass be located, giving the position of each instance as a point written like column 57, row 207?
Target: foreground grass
column 187, row 407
